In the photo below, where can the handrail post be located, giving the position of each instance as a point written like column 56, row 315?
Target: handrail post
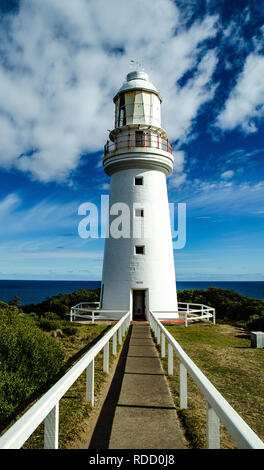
column 119, row 335
column 106, row 358
column 122, row 330
column 170, row 359
column 90, row 383
column 114, row 344
column 158, row 334
column 51, row 429
column 183, row 386
column 212, row 428
column 156, row 330
column 163, row 348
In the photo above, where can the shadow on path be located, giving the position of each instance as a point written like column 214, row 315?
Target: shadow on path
column 102, row 432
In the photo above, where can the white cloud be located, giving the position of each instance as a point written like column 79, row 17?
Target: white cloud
column 8, row 204
column 61, row 70
column 39, row 217
column 177, row 180
column 245, row 104
column 224, row 198
column 226, row 175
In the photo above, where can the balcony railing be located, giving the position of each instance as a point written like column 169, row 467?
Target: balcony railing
column 138, row 140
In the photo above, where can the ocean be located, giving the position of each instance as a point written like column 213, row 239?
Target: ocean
column 33, row 292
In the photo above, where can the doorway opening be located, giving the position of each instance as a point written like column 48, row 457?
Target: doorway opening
column 139, row 304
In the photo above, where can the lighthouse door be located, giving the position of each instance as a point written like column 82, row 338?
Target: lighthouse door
column 139, row 304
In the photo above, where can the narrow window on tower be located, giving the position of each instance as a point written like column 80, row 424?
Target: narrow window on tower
column 138, row 180
column 122, row 111
column 139, row 212
column 139, row 138
column 140, row 250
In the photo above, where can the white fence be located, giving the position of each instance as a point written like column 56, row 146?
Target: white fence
column 190, row 311
column 218, row 409
column 196, row 312
column 47, row 407
column 87, row 311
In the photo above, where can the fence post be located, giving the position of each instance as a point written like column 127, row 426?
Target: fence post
column 163, row 348
column 51, row 429
column 170, row 359
column 106, row 358
column 183, row 386
column 212, row 428
column 158, row 334
column 156, row 330
column 114, row 344
column 119, row 335
column 214, row 316
column 90, row 383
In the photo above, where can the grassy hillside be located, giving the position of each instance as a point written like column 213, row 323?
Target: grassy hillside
column 223, row 352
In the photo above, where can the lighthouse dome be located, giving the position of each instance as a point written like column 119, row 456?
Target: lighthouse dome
column 137, row 80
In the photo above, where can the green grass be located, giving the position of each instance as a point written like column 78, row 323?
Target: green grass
column 224, row 354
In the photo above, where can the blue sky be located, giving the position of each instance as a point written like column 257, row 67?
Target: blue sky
column 62, row 61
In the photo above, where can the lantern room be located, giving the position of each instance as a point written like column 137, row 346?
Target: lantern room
column 137, row 102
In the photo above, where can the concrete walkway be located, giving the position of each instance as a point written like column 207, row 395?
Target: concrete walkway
column 138, row 412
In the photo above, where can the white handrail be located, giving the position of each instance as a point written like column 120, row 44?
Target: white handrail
column 217, row 406
column 47, row 406
column 206, row 312
column 94, row 313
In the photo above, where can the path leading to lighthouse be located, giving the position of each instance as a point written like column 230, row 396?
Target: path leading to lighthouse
column 138, row 412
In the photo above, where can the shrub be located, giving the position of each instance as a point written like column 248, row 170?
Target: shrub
column 255, row 322
column 3, row 304
column 48, row 325
column 28, row 359
column 51, row 316
column 69, row 330
column 228, row 304
column 61, row 303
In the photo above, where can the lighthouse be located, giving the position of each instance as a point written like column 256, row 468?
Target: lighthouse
column 138, row 269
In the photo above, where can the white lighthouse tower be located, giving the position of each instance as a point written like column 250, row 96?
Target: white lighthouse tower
column 138, row 269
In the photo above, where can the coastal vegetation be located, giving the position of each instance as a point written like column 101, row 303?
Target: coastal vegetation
column 38, row 344
column 28, row 359
column 61, row 303
column 230, row 306
column 35, row 351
